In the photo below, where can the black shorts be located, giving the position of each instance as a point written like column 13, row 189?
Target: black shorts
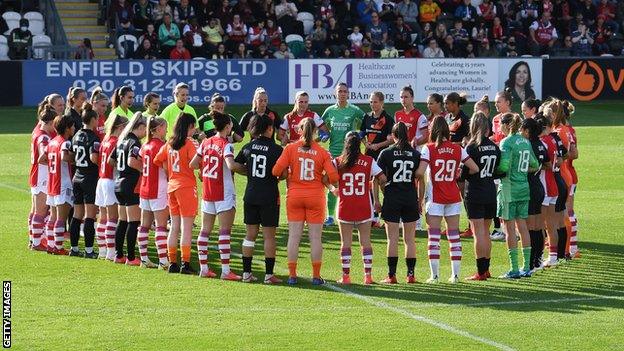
column 84, row 190
column 563, row 194
column 480, row 211
column 535, row 202
column 265, row 215
column 400, row 211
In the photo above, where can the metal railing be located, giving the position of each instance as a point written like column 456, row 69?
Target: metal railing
column 53, row 24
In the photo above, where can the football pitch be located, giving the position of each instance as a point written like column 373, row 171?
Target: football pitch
column 73, row 303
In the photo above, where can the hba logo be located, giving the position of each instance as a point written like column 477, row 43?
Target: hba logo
column 585, row 80
column 323, row 75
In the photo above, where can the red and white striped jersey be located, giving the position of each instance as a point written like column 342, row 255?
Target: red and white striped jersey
column 292, row 119
column 153, row 177
column 444, row 169
column 59, row 171
column 415, row 121
column 106, row 149
column 217, row 178
column 547, row 176
column 38, row 171
column 354, row 204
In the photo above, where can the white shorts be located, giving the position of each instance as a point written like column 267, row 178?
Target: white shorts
column 40, row 188
column 442, row 210
column 105, row 193
column 572, row 190
column 157, row 204
column 216, row 207
column 355, row 223
column 65, row 197
column 549, row 201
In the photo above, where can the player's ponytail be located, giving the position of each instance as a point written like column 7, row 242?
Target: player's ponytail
column 568, row 109
column 532, row 127
column 62, row 123
column 136, row 121
column 298, row 95
column 98, row 95
column 259, row 125
column 457, row 98
column 152, row 124
column 88, row 113
column 47, row 114
column 439, row 130
column 483, row 105
column 118, row 94
column 350, row 152
column 119, row 121
column 399, row 131
column 479, row 128
column 180, row 130
column 72, row 94
column 307, row 127
column 512, row 122
column 259, row 91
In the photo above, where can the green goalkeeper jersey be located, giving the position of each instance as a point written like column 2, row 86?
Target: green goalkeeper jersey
column 516, row 158
column 340, row 121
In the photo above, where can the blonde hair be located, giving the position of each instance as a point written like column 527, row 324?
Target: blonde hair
column 98, row 95
column 136, row 121
column 259, row 91
column 118, row 121
column 307, row 127
column 151, row 125
column 513, row 121
column 479, row 128
column 298, row 95
column 484, row 102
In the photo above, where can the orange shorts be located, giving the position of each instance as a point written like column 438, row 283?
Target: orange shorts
column 183, row 202
column 308, row 209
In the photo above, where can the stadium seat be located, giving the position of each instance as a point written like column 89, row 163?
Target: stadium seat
column 35, row 22
column 4, row 48
column 39, row 44
column 308, row 21
column 12, row 19
column 292, row 38
column 295, row 44
column 127, row 45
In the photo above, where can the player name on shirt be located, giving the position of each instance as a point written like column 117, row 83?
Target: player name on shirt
column 259, row 147
column 487, row 148
column 407, row 153
column 304, row 150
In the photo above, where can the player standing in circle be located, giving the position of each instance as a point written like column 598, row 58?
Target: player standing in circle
column 259, row 106
column 435, row 105
column 355, row 208
column 105, row 197
column 502, row 102
column 530, row 107
column 458, row 120
column 531, row 130
column 76, row 97
column 483, row 106
column 84, row 148
column 399, row 163
column 206, row 123
column 262, row 200
column 39, row 178
column 376, row 133
column 289, row 129
column 443, row 158
column 215, row 158
column 151, row 103
column 122, row 100
column 100, row 101
column 340, row 118
column 175, row 158
column 179, row 105
column 517, row 160
column 60, row 194
column 480, row 191
column 305, row 162
column 129, row 166
column 153, row 194
column 55, row 101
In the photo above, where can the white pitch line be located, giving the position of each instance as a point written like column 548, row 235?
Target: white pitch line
column 512, row 302
column 13, row 187
column 381, row 304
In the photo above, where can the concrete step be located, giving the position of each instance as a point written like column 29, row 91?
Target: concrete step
column 85, row 29
column 64, row 14
column 76, row 6
column 100, row 44
column 104, row 53
column 79, row 21
column 78, row 36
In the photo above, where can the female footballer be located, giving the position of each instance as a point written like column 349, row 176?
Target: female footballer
column 206, row 123
column 289, row 129
column 457, row 119
column 259, row 106
column 100, row 102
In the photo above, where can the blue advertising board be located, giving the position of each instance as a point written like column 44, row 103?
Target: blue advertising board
column 236, row 80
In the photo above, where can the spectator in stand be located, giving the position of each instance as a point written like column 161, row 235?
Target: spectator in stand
column 450, row 49
column 426, row 36
column 241, row 52
column 159, row 11
column 214, row 34
column 346, row 54
column 244, row 10
column 401, row 34
column 262, row 52
column 180, row 52
column 183, row 13
column 480, row 31
column 408, row 9
column 318, row 36
column 256, row 35
column 365, row 10
column 387, row 13
column 224, row 12
column 286, row 15
column 237, row 33
column 335, row 37
column 355, row 38
column 433, row 50
column 511, row 49
column 221, row 53
column 460, row 34
column 283, row 52
column 20, row 39
column 487, row 11
column 440, row 32
column 485, row 50
column 467, row 14
column 588, row 10
column 367, row 50
column 578, row 20
column 469, row 51
column 143, row 14
column 85, row 50
column 341, row 10
column 547, row 6
column 327, row 54
column 429, row 12
column 529, row 13
column 194, row 38
column 543, row 36
column 568, row 48
column 607, row 9
column 268, row 10
column 377, row 32
column 168, row 34
column 146, row 51
column 326, row 10
column 307, row 52
column 119, row 11
column 582, row 41
column 389, row 51
column 125, row 27
column 602, row 35
column 563, row 16
column 273, row 35
column 151, row 35
column 204, row 11
column 498, row 34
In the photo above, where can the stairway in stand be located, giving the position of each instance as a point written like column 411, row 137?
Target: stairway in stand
column 79, row 18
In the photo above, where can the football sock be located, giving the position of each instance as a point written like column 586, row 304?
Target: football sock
column 526, row 255
column 292, row 269
column 433, row 250
column 37, row 229
column 59, row 234
column 455, row 251
column 331, row 204
column 269, row 265
column 161, row 244
column 481, row 265
column 316, row 269
column 247, row 264
column 562, row 241
column 30, row 220
column 100, row 231
column 120, row 237
column 111, row 230
column 224, row 250
column 202, row 250
column 487, row 264
column 392, row 266
column 411, row 265
column 74, row 233
column 173, row 254
column 367, row 258
column 50, row 229
column 497, row 223
column 131, row 234
column 186, row 253
column 513, row 259
column 345, row 256
column 143, row 239
column 573, row 232
column 89, row 234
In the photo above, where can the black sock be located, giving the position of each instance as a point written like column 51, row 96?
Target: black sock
column 411, row 265
column 497, row 223
column 269, row 263
column 74, row 231
column 247, row 264
column 131, row 234
column 89, row 232
column 120, row 236
column 481, row 265
column 487, row 264
column 539, row 248
column 562, row 242
column 532, row 235
column 392, row 265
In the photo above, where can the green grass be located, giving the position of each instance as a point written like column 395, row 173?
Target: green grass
column 62, row 303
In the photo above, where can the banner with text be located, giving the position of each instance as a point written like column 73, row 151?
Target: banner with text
column 236, row 80
column 319, row 78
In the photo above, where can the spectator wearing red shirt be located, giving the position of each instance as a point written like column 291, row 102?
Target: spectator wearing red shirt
column 543, row 36
column 273, row 35
column 607, row 9
column 180, row 52
column 602, row 34
column 194, row 38
column 237, row 33
column 487, row 11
